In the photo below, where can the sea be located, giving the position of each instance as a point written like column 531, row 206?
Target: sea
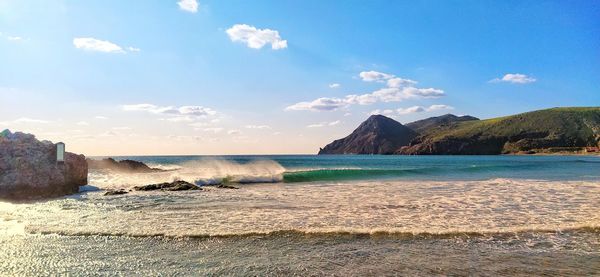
column 308, row 215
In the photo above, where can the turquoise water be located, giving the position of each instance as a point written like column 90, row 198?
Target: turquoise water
column 307, row 168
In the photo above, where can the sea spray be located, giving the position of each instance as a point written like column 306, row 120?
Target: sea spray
column 201, row 172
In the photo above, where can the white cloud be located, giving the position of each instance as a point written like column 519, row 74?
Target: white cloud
column 374, row 76
column 93, row 44
column 384, row 112
column 413, row 109
column 334, row 85
column 31, row 120
column 213, row 130
column 397, row 89
column 24, row 120
column 258, row 127
column 100, row 117
column 256, row 38
column 323, row 124
column 320, row 104
column 82, row 123
column 197, row 111
column 188, row 5
column 439, row 107
column 381, row 95
column 234, row 132
column 178, row 119
column 123, row 128
column 400, row 82
column 14, row 38
column 515, row 78
column 133, row 49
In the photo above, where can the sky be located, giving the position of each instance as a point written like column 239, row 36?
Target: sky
column 174, row 77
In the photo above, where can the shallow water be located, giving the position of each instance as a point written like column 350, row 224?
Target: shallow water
column 457, row 221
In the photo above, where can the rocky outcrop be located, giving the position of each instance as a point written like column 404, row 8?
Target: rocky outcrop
column 172, row 186
column 377, row 135
column 128, row 166
column 29, row 170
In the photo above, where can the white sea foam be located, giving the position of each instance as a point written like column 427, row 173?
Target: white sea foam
column 411, row 207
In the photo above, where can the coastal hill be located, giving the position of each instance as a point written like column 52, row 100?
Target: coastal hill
column 550, row 130
column 377, row 135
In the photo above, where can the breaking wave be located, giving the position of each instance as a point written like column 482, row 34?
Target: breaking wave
column 592, row 229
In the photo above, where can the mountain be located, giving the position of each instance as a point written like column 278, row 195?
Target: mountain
column 556, row 129
column 377, row 135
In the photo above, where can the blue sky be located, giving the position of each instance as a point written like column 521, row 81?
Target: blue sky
column 227, row 77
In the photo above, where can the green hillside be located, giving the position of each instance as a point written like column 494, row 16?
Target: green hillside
column 556, row 127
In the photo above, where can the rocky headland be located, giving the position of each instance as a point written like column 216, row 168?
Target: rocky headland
column 556, row 130
column 29, row 169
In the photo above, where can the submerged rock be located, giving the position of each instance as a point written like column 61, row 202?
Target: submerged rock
column 172, row 186
column 116, row 192
column 226, row 187
column 129, row 166
column 29, row 170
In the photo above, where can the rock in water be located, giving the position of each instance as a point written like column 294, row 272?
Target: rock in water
column 129, row 166
column 28, row 169
column 115, row 192
column 173, row 186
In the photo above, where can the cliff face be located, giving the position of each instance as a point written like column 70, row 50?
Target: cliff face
column 28, row 169
column 377, row 135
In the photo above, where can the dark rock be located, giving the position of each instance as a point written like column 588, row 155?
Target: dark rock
column 173, row 186
column 115, row 192
column 29, row 170
column 222, row 186
column 129, row 166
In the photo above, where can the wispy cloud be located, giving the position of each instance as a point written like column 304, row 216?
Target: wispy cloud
column 413, row 109
column 323, row 124
column 171, row 110
column 11, row 38
column 514, row 78
column 258, row 127
column 133, row 49
column 256, row 38
column 93, row 44
column 374, row 76
column 334, row 85
column 101, row 117
column 397, row 89
column 188, row 5
column 24, row 120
